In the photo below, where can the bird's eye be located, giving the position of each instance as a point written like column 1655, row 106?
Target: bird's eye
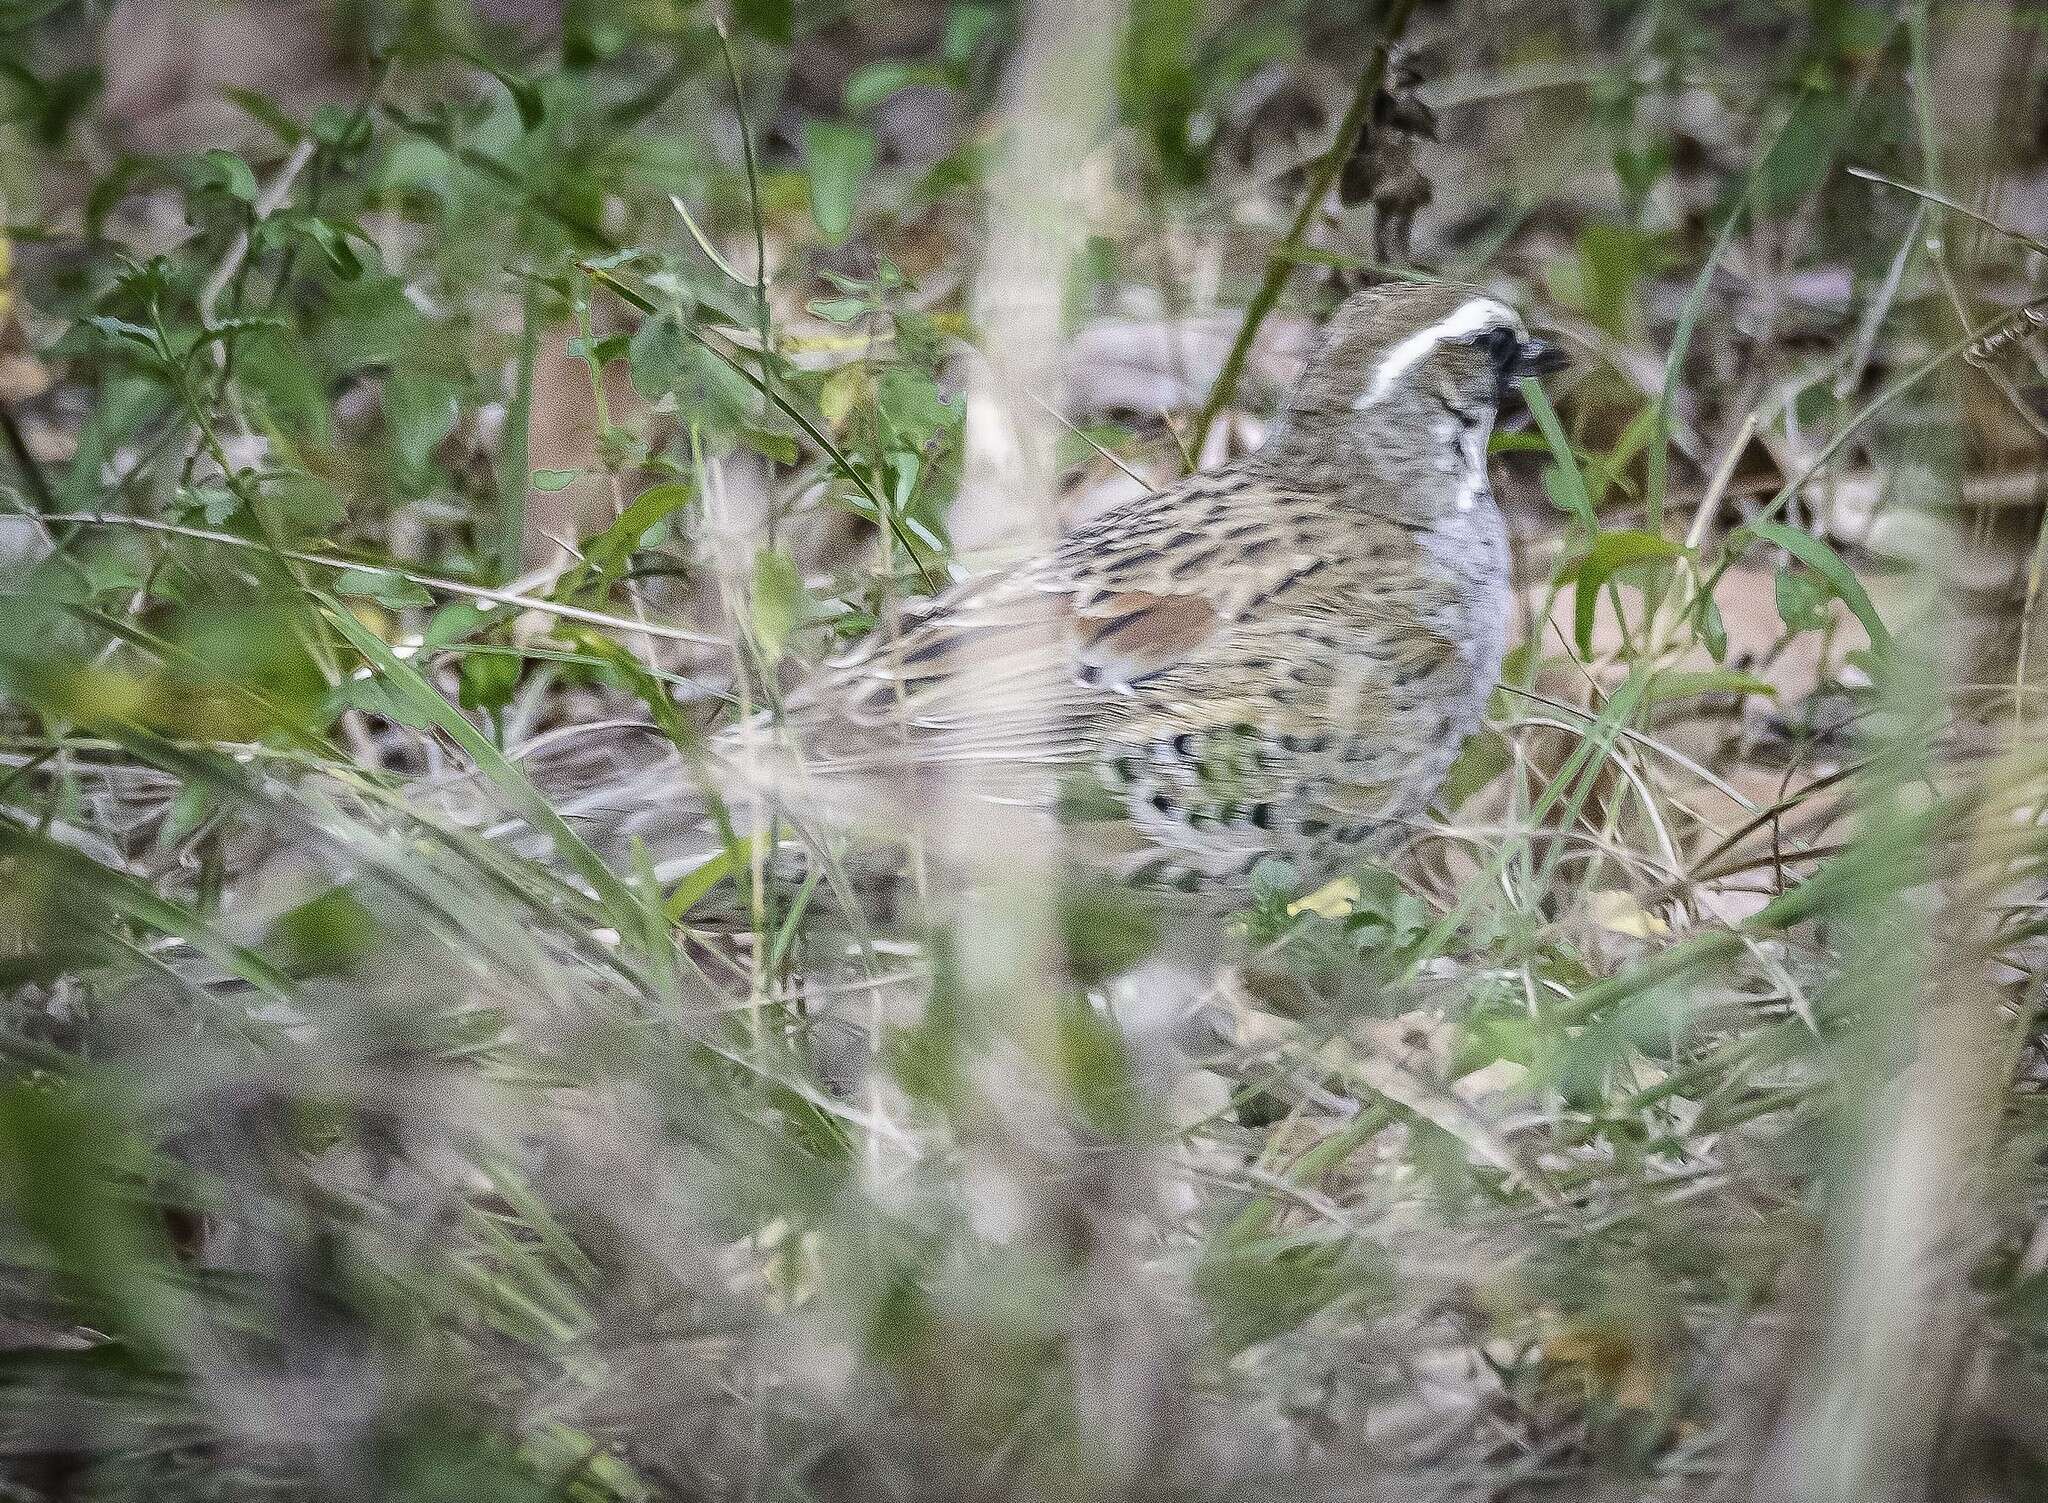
column 1501, row 347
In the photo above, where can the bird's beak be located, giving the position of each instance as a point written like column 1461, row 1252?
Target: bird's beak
column 1538, row 357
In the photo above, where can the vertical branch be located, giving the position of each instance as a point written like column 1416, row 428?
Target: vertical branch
column 1890, row 1371
column 1282, row 261
column 1078, row 1200
column 1884, row 1374
column 32, row 477
column 739, row 105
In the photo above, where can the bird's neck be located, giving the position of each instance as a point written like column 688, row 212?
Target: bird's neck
column 1416, row 460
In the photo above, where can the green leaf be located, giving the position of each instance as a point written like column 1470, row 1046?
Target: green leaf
column 334, row 247
column 1804, row 150
column 1106, row 930
column 417, row 697
column 841, row 310
column 371, row 322
column 486, row 680
column 617, row 542
column 1567, row 487
column 700, row 879
column 912, row 409
column 339, row 126
column 780, row 447
column 229, row 173
column 1802, row 598
column 779, row 602
column 1485, row 756
column 209, row 501
column 1713, row 630
column 1613, row 262
column 230, row 331
column 309, row 503
column 454, row 622
column 1827, row 563
column 1671, row 685
column 120, row 328
column 526, row 98
column 719, row 396
column 967, row 28
column 326, row 935
column 659, row 357
column 836, row 158
column 260, row 107
column 1098, row 1070
column 872, row 83
column 1608, row 553
column 555, row 480
column 772, row 20
column 385, row 588
column 276, row 366
column 420, row 411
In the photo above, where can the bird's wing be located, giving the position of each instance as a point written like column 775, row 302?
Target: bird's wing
column 1027, row 666
column 1024, row 673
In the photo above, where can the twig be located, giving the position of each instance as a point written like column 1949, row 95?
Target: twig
column 739, row 105
column 1928, row 195
column 1086, row 437
column 812, row 430
column 424, row 581
column 704, row 243
column 1288, row 251
column 482, row 162
column 266, row 204
column 763, row 310
column 25, row 460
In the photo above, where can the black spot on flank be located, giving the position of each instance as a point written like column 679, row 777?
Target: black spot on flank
column 1163, row 803
column 1312, row 827
column 1262, row 816
column 1184, row 744
column 1313, row 566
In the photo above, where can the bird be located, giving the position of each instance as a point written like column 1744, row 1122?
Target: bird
column 1277, row 657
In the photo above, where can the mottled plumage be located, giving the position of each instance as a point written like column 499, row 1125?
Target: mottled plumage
column 1277, row 657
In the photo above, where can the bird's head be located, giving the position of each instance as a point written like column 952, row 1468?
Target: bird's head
column 1405, row 366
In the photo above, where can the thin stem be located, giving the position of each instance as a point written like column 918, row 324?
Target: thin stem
column 424, row 581
column 25, row 461
column 1288, row 251
column 739, row 104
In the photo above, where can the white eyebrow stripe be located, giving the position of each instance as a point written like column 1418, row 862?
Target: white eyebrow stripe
column 1468, row 318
